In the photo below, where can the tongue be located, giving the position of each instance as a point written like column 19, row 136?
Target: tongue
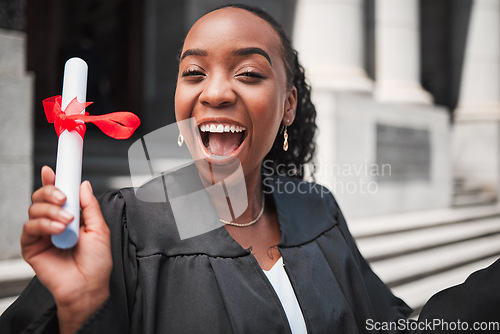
column 224, row 143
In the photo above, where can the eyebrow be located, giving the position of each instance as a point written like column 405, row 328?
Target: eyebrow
column 193, row 52
column 238, row 52
column 253, row 50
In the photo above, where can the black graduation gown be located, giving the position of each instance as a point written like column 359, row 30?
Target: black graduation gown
column 210, row 284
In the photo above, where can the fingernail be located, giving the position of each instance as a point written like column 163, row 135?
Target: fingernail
column 90, row 187
column 65, row 215
column 58, row 195
column 56, row 226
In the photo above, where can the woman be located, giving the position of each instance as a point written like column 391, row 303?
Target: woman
column 287, row 264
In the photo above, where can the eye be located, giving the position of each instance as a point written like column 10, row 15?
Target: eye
column 193, row 74
column 250, row 76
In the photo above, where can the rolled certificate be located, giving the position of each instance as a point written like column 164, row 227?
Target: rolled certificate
column 69, row 152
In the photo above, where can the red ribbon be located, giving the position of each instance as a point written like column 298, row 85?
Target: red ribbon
column 118, row 125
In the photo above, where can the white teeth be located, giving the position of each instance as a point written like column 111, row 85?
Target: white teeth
column 220, row 128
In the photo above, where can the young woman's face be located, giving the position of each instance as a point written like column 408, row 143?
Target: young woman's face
column 232, row 80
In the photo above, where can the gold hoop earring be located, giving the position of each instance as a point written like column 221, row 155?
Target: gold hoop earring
column 285, row 142
column 180, row 140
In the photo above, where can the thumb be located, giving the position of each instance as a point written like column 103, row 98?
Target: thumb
column 91, row 210
column 48, row 176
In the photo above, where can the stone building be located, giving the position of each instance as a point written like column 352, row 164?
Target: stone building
column 16, row 127
column 407, row 94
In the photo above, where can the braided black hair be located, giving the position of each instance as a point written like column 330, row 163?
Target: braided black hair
column 301, row 131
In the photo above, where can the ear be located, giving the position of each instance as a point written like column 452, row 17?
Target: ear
column 290, row 107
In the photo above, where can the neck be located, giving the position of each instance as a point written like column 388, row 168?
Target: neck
column 232, row 185
column 254, row 196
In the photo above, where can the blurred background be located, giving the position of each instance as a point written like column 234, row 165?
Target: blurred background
column 407, row 94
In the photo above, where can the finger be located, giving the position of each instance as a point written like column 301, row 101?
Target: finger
column 33, row 229
column 48, row 176
column 91, row 210
column 49, row 194
column 50, row 211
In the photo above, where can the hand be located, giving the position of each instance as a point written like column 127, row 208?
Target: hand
column 78, row 278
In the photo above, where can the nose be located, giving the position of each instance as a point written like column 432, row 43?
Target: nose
column 218, row 91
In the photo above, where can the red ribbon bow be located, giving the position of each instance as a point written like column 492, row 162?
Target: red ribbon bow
column 118, row 125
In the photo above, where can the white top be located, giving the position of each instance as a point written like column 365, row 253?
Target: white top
column 281, row 284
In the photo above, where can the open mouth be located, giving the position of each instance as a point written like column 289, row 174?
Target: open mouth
column 222, row 139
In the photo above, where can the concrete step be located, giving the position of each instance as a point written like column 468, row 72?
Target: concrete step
column 466, row 194
column 396, row 244
column 411, row 267
column 418, row 254
column 382, row 225
column 472, row 199
column 466, row 191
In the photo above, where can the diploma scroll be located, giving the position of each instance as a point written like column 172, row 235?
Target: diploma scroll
column 69, row 117
column 69, row 152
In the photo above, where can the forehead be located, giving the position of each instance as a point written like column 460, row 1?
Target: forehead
column 233, row 27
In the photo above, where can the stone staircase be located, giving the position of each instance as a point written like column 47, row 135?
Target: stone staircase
column 415, row 254
column 465, row 194
column 419, row 254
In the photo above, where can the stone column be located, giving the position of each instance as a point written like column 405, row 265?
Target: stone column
column 16, row 141
column 329, row 38
column 397, row 52
column 480, row 88
column 476, row 137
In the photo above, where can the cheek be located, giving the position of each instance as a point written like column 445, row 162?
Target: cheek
column 182, row 103
column 266, row 103
column 267, row 118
